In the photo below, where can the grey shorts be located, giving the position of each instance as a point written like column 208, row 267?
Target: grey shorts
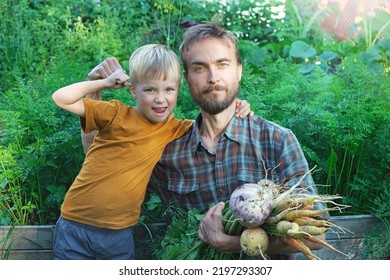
column 75, row 241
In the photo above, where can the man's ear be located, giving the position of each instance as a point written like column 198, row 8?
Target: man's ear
column 132, row 91
column 239, row 72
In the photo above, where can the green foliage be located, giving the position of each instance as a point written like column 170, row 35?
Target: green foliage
column 40, row 152
column 339, row 119
column 375, row 28
column 15, row 204
column 168, row 9
column 181, row 241
column 151, row 209
column 333, row 95
column 304, row 18
column 377, row 244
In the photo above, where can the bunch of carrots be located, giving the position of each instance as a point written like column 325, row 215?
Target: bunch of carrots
column 295, row 220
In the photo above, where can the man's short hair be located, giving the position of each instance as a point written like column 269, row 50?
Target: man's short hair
column 211, row 30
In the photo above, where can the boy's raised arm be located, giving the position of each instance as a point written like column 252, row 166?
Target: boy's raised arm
column 70, row 97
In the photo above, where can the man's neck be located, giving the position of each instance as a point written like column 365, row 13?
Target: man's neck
column 212, row 126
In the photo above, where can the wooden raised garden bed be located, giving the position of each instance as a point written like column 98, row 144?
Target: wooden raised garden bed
column 35, row 242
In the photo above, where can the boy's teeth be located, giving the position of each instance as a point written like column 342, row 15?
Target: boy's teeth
column 159, row 110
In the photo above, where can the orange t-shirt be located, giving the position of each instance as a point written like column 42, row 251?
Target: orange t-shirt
column 111, row 186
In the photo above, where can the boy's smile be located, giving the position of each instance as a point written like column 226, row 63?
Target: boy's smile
column 160, row 110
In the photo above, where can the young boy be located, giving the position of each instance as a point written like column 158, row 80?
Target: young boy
column 104, row 201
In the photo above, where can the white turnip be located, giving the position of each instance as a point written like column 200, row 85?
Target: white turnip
column 254, row 242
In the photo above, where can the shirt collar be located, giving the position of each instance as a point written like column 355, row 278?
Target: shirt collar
column 234, row 130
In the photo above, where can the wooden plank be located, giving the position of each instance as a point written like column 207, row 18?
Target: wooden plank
column 356, row 226
column 31, row 255
column 35, row 242
column 29, row 237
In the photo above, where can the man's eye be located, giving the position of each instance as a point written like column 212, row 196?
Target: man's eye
column 224, row 64
column 149, row 90
column 199, row 68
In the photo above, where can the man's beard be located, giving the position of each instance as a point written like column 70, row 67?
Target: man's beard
column 213, row 106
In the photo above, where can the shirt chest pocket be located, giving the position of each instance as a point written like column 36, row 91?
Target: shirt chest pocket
column 247, row 175
column 183, row 186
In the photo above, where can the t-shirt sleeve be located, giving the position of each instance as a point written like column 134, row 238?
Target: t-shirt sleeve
column 98, row 114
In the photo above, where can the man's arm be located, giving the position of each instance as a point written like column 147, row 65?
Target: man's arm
column 101, row 71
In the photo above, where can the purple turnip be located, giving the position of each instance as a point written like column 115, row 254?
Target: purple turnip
column 251, row 204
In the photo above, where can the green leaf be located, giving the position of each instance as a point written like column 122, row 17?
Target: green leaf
column 306, row 68
column 252, row 52
column 300, row 49
column 385, row 45
column 328, row 56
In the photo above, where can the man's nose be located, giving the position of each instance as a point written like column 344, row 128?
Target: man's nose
column 213, row 75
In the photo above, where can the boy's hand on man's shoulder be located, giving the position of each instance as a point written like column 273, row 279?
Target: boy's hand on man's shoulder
column 243, row 108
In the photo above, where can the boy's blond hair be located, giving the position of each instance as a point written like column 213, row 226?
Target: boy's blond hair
column 154, row 61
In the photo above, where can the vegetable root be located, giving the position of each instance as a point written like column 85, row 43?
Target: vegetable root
column 315, row 239
column 308, row 221
column 254, row 242
column 294, row 214
column 313, row 230
column 300, row 246
column 285, row 227
column 251, row 204
column 284, row 194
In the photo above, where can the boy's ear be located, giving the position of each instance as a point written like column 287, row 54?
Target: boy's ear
column 132, row 91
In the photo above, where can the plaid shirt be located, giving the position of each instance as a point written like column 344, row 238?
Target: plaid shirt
column 249, row 150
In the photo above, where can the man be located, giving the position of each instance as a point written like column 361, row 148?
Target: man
column 221, row 152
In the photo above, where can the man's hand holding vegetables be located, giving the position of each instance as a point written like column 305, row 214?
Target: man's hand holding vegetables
column 212, row 232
